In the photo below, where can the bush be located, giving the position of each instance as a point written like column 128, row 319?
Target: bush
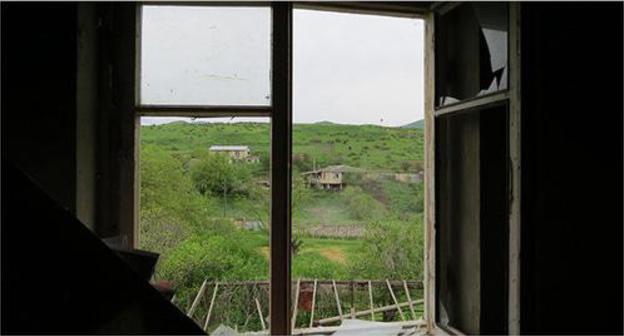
column 215, row 175
column 392, row 249
column 217, row 257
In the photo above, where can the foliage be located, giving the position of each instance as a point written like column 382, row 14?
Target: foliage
column 392, row 249
column 215, row 175
column 170, row 207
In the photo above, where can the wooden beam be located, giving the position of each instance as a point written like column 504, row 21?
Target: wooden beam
column 366, row 8
column 337, row 299
column 260, row 314
column 473, row 103
column 281, row 155
column 430, row 234
column 515, row 171
column 203, row 111
column 212, row 301
column 313, row 303
column 330, row 330
column 409, row 300
column 366, row 312
column 361, row 283
column 370, row 300
column 296, row 304
column 396, row 303
column 196, row 301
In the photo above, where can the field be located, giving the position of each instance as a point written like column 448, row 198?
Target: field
column 208, row 215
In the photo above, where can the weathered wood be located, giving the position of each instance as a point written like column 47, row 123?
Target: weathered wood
column 313, row 303
column 212, row 301
column 196, row 301
column 409, row 300
column 360, row 283
column 515, row 117
column 366, row 312
column 203, row 111
column 370, row 299
column 396, row 303
column 330, row 330
column 429, row 211
column 296, row 304
column 337, row 299
column 352, row 308
column 260, row 314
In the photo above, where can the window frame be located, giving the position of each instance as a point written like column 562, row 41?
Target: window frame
column 280, row 113
column 510, row 96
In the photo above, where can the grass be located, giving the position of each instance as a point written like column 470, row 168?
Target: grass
column 369, row 146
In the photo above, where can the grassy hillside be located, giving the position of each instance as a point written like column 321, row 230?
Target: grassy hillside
column 370, row 147
column 370, row 230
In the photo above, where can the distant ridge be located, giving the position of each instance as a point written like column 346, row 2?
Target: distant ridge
column 324, row 122
column 416, row 124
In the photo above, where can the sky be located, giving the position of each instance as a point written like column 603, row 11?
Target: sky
column 347, row 68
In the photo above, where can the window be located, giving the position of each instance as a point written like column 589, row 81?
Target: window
column 189, row 57
column 358, row 98
column 204, row 177
column 253, row 80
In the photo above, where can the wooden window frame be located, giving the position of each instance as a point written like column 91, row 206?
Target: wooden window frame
column 280, row 112
column 510, row 96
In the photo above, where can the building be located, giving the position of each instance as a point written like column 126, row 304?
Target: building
column 234, row 152
column 330, row 177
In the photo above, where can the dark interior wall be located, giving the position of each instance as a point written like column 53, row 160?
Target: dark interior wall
column 572, row 150
column 39, row 94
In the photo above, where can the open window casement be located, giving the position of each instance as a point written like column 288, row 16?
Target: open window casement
column 472, row 144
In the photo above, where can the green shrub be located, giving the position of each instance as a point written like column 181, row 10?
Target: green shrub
column 392, row 249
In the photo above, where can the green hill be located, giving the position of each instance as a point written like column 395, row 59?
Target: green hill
column 420, row 124
column 322, row 144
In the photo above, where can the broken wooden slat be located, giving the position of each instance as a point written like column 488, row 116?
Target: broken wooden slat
column 366, row 312
column 409, row 300
column 212, row 301
column 260, row 314
column 395, row 300
column 196, row 301
column 313, row 303
column 370, row 299
column 296, row 303
column 337, row 299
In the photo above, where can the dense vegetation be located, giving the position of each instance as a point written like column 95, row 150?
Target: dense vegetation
column 207, row 216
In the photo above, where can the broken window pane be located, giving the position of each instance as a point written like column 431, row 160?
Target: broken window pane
column 471, row 51
column 205, row 55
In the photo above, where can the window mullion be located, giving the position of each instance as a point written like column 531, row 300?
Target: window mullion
column 281, row 148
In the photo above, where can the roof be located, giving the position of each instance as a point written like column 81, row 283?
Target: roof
column 229, row 148
column 337, row 169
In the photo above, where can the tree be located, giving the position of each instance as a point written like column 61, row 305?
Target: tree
column 171, row 208
column 215, row 175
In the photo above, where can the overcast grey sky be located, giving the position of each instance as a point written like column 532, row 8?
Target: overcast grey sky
column 348, row 68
